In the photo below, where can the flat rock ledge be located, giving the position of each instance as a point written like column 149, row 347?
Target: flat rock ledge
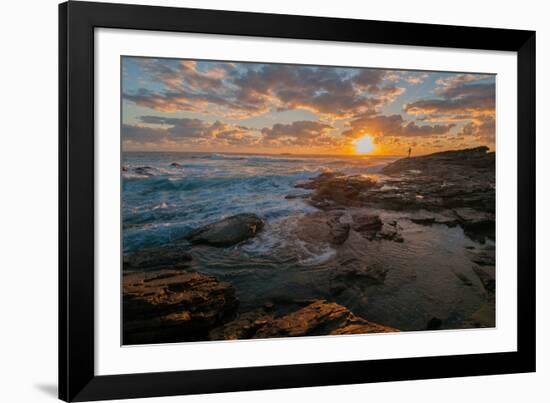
column 461, row 179
column 173, row 306
column 228, row 231
column 319, row 318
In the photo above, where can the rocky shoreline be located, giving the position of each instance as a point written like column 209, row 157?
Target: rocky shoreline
column 165, row 299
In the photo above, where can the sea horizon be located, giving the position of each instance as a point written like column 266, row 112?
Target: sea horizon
column 301, row 155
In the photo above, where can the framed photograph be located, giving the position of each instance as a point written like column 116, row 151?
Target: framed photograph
column 257, row 201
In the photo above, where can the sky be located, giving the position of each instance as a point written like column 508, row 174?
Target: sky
column 213, row 106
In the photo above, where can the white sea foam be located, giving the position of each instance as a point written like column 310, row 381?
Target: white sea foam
column 162, row 205
column 207, row 187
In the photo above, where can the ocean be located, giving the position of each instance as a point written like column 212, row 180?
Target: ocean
column 166, row 195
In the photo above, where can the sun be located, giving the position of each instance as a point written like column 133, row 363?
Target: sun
column 364, row 145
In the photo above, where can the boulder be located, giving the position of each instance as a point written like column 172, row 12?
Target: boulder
column 336, row 189
column 371, row 227
column 297, row 196
column 316, row 319
column 228, row 231
column 366, row 223
column 145, row 171
column 244, row 326
column 172, row 306
column 322, row 227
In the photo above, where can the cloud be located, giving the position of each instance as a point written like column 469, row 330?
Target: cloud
column 416, row 78
column 184, row 131
column 180, row 127
column 342, row 103
column 394, row 126
column 186, row 101
column 155, row 129
column 468, row 99
column 318, row 89
column 142, row 134
column 299, row 133
column 182, row 86
column 457, row 100
column 184, row 74
column 458, row 94
column 370, row 77
column 482, row 128
column 245, row 90
column 460, row 79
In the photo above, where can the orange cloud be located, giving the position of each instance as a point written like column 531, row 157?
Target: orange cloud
column 224, row 90
column 392, row 126
column 300, row 133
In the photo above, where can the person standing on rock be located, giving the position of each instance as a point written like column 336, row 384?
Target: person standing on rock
column 410, row 149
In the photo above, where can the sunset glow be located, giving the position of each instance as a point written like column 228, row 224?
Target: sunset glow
column 211, row 106
column 364, row 145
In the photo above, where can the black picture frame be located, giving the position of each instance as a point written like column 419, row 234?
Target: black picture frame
column 77, row 379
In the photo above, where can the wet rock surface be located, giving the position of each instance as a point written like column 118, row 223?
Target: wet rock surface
column 355, row 276
column 170, row 256
column 228, row 231
column 318, row 318
column 371, row 227
column 484, row 269
column 458, row 187
column 332, row 189
column 144, row 170
column 322, row 227
column 168, row 305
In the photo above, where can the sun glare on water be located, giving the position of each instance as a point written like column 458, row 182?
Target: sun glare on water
column 364, row 145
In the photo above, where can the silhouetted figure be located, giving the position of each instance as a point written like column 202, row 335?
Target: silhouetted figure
column 410, row 149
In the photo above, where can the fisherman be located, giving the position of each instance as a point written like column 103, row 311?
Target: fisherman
column 410, row 149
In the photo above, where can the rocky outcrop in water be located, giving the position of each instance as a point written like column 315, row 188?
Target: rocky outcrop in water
column 145, row 171
column 371, row 227
column 318, row 318
column 333, row 189
column 449, row 179
column 171, row 306
column 456, row 185
column 478, row 158
column 228, row 231
column 322, row 227
column 446, row 180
